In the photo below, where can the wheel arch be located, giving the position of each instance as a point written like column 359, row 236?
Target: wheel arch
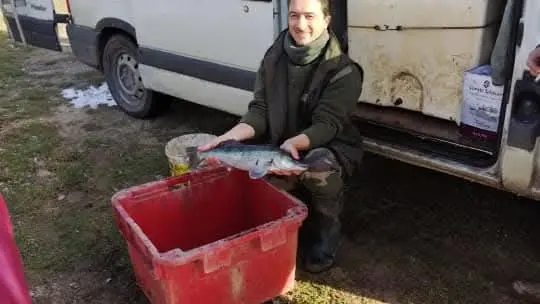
column 108, row 27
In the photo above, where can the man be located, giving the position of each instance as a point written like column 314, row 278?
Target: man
column 531, row 289
column 305, row 91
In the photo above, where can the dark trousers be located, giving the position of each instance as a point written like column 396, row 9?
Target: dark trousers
column 321, row 188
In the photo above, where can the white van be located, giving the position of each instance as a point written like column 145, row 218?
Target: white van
column 428, row 96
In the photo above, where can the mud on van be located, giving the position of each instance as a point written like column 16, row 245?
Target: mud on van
column 446, row 84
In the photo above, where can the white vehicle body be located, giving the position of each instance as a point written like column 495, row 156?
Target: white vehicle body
column 414, row 55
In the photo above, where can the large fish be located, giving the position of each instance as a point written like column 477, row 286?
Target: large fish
column 258, row 160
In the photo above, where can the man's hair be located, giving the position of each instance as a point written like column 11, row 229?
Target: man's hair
column 325, row 5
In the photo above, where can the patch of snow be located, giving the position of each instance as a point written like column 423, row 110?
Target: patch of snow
column 91, row 97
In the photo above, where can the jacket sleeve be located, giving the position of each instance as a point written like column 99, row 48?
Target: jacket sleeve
column 337, row 102
column 256, row 116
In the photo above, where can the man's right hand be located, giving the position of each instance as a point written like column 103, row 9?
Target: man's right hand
column 534, row 62
column 213, row 143
column 239, row 132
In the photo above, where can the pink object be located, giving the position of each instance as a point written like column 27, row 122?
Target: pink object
column 13, row 286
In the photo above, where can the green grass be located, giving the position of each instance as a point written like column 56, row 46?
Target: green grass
column 11, row 57
column 56, row 235
column 307, row 292
column 22, row 97
column 34, row 165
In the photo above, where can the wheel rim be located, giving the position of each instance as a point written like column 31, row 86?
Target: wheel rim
column 129, row 80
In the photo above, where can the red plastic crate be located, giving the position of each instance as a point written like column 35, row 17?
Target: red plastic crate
column 212, row 236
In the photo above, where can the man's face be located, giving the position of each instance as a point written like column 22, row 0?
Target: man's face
column 306, row 20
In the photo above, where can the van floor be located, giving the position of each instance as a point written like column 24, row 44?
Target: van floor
column 421, row 132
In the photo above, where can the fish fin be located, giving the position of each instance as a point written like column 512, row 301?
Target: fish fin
column 229, row 142
column 258, row 172
column 193, row 156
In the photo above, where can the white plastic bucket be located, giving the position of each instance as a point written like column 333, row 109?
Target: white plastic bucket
column 176, row 151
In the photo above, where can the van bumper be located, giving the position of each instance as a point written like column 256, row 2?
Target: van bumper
column 84, row 41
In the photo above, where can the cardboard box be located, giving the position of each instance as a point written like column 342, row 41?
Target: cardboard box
column 481, row 107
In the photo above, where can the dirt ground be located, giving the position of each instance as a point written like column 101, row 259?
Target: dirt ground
column 412, row 235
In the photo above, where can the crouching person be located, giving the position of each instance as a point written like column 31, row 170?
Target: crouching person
column 305, row 91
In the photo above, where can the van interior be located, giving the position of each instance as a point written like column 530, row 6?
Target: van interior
column 414, row 55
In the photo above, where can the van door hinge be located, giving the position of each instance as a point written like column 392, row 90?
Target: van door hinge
column 62, row 18
column 520, row 30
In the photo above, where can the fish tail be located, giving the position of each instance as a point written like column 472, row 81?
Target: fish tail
column 193, row 156
column 320, row 160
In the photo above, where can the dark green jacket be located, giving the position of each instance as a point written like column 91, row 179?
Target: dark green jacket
column 325, row 107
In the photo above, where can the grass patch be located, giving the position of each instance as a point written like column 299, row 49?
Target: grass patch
column 29, row 103
column 306, row 292
column 22, row 148
column 64, row 221
column 54, row 234
column 72, row 170
column 22, row 97
column 11, row 58
column 26, row 153
column 136, row 166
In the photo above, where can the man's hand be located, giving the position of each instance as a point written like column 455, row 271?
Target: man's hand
column 293, row 146
column 213, row 143
column 290, row 146
column 239, row 132
column 296, row 144
column 534, row 62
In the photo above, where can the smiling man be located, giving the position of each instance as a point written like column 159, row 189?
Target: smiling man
column 305, row 91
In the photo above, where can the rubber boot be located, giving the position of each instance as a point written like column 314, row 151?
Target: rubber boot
column 528, row 290
column 322, row 253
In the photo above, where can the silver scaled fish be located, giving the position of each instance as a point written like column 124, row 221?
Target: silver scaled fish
column 258, row 160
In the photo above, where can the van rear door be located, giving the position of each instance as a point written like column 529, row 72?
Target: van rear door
column 33, row 22
column 520, row 156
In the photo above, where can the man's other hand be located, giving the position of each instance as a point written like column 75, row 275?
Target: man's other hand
column 296, row 144
column 239, row 132
column 213, row 143
column 534, row 62
column 290, row 147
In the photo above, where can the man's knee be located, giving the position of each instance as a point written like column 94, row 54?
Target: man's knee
column 325, row 174
column 322, row 160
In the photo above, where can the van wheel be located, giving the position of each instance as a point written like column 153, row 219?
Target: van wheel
column 121, row 69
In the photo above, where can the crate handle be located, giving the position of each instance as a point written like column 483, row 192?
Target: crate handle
column 213, row 261
column 275, row 237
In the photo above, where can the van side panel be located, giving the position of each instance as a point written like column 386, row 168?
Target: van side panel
column 204, row 51
column 222, row 97
column 233, row 33
column 89, row 13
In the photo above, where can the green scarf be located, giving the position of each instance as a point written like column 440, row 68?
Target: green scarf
column 306, row 54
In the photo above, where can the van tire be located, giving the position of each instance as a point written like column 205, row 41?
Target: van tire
column 120, row 66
